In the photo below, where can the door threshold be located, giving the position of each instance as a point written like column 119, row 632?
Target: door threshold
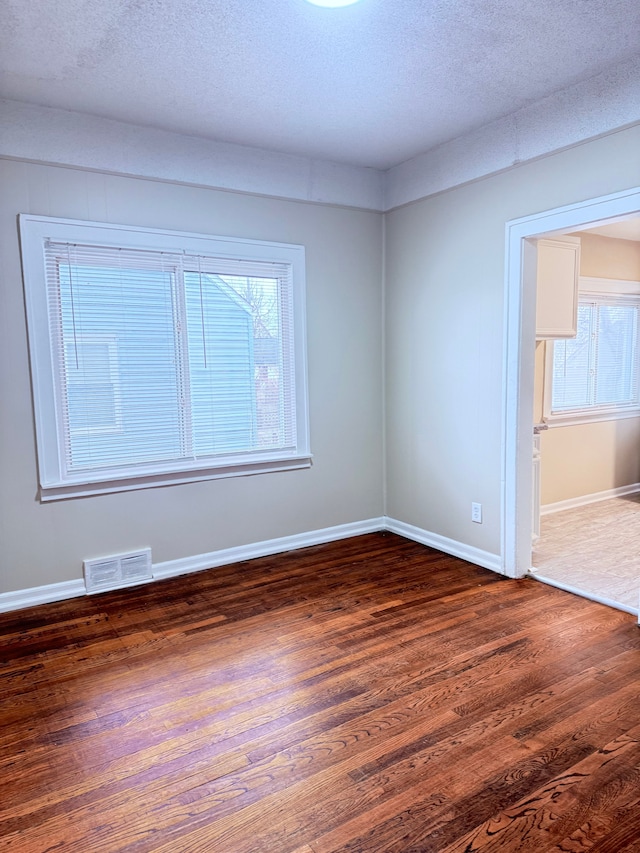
column 592, row 596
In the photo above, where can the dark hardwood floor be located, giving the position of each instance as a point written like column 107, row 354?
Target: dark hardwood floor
column 367, row 695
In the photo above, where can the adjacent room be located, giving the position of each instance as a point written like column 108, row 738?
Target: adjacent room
column 284, row 442
column 587, row 427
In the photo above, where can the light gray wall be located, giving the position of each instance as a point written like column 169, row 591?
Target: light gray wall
column 46, row 543
column 444, row 328
column 68, row 138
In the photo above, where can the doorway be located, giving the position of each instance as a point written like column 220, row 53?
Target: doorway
column 520, row 302
column 587, row 417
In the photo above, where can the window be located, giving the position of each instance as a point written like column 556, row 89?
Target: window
column 162, row 357
column 596, row 375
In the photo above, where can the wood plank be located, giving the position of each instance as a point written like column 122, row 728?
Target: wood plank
column 371, row 696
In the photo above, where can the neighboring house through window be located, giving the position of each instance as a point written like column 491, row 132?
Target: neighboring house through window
column 91, row 368
column 162, row 357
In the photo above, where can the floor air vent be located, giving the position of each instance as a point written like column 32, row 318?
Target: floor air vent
column 117, row 571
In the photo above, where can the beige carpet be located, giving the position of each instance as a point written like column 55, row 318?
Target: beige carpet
column 594, row 548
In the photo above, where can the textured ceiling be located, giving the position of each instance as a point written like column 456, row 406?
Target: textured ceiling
column 372, row 84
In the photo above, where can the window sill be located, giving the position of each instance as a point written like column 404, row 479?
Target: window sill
column 66, row 489
column 583, row 417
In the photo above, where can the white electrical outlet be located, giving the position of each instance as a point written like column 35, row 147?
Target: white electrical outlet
column 476, row 513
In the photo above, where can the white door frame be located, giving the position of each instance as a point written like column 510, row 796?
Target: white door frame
column 518, row 360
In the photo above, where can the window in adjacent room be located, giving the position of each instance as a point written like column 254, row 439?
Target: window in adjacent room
column 162, row 357
column 596, row 375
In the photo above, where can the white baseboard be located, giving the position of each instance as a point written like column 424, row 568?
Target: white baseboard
column 583, row 500
column 186, row 565
column 449, row 546
column 22, row 598
column 198, row 562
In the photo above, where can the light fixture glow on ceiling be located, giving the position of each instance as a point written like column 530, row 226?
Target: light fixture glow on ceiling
column 333, row 4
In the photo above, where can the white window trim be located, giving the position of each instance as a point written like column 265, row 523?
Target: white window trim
column 34, row 231
column 610, row 291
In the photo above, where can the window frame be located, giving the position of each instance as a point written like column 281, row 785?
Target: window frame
column 603, row 292
column 54, row 482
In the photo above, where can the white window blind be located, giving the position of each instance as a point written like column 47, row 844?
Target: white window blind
column 165, row 361
column 598, row 370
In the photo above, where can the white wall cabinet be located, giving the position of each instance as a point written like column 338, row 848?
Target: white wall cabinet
column 557, row 288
